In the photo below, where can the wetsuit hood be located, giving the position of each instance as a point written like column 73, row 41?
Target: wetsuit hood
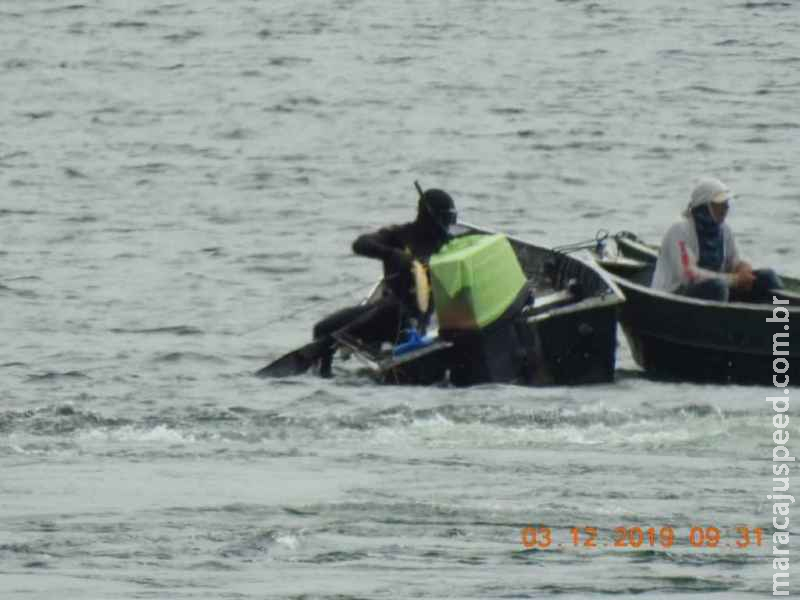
column 436, row 212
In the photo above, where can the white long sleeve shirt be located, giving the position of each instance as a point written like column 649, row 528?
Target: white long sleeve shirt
column 677, row 261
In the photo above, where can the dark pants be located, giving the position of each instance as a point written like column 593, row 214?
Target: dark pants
column 715, row 289
column 374, row 323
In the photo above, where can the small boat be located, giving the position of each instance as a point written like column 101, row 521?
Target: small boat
column 677, row 337
column 559, row 327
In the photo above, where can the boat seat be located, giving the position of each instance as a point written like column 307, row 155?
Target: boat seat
column 548, row 301
column 623, row 264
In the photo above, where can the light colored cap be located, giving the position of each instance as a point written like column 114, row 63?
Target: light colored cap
column 707, row 190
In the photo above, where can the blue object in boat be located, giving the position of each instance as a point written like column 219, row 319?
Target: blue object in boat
column 413, row 342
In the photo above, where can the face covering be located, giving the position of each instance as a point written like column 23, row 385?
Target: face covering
column 709, row 239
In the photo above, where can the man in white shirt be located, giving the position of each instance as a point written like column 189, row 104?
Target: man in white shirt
column 699, row 257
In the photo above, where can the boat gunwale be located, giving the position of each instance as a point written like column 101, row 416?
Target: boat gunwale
column 586, row 304
column 672, row 297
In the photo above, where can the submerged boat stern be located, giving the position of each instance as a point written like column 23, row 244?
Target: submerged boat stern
column 524, row 314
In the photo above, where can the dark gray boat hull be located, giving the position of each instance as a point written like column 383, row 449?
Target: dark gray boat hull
column 677, row 337
column 568, row 337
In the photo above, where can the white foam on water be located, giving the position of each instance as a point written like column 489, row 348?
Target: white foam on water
column 160, row 434
column 678, row 430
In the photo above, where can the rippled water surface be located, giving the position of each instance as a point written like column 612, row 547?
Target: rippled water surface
column 180, row 184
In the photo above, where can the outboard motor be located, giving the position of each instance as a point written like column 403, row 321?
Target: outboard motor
column 479, row 290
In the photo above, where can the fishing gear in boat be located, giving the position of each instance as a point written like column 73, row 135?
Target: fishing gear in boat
column 599, row 240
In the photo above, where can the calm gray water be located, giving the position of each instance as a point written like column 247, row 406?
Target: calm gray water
column 179, row 187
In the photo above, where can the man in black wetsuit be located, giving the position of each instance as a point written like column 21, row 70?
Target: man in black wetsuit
column 397, row 246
